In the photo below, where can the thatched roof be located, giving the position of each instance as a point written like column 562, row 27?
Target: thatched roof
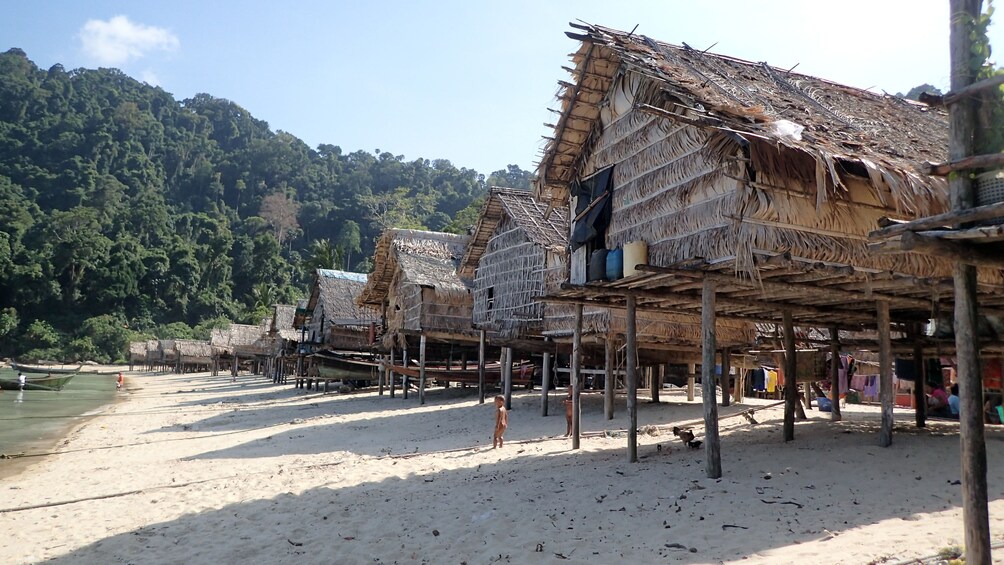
column 846, row 130
column 544, row 226
column 193, row 348
column 137, row 348
column 337, row 292
column 282, row 322
column 423, row 258
column 243, row 337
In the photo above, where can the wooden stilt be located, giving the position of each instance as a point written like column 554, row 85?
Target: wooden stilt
column 380, row 377
column 920, row 374
column 962, row 123
column 609, row 380
column 885, row 373
column 574, row 376
column 790, row 369
column 404, row 377
column 421, row 369
column 481, row 367
column 726, row 369
column 631, row 367
column 507, row 376
column 545, row 379
column 835, row 374
column 712, row 443
column 691, row 381
column 737, row 390
column 654, row 382
column 390, row 373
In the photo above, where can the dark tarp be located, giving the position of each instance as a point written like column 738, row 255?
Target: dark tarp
column 905, row 370
column 595, row 221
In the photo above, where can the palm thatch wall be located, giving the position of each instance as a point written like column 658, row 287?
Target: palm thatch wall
column 721, row 159
column 415, row 284
column 517, row 253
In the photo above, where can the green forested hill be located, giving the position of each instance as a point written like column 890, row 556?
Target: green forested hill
column 124, row 210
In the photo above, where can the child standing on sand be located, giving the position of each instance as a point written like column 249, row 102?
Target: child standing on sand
column 501, row 421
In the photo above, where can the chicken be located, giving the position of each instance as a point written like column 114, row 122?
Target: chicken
column 694, row 444
column 685, row 434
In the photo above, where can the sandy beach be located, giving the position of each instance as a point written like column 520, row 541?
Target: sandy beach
column 196, row 469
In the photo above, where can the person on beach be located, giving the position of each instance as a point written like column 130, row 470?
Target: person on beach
column 501, row 421
column 568, row 413
column 118, row 383
column 21, row 380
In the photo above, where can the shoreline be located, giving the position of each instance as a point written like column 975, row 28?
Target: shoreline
column 201, row 470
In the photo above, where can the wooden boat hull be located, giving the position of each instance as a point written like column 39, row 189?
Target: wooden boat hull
column 43, row 370
column 335, row 367
column 53, row 383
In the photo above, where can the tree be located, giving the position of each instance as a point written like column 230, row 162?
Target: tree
column 280, row 210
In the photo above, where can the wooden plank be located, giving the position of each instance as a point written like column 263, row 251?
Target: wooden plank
column 632, row 380
column 712, row 442
column 545, row 382
column 932, row 245
column 947, row 219
column 790, row 370
column 575, row 377
column 835, row 374
column 421, row 369
column 885, row 374
column 608, row 378
column 481, row 367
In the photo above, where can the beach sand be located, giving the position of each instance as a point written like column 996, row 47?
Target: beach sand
column 195, row 469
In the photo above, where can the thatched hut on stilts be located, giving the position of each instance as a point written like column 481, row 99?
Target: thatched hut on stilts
column 518, row 252
column 421, row 298
column 742, row 192
column 284, row 342
column 239, row 342
column 192, row 355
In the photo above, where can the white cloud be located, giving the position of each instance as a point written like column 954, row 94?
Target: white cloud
column 149, row 77
column 120, row 40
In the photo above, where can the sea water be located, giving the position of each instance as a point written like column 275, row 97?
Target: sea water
column 32, row 421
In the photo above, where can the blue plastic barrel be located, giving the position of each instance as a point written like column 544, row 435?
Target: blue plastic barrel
column 615, row 264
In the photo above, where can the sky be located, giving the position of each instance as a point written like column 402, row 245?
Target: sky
column 469, row 81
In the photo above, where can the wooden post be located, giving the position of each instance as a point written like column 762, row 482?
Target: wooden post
column 404, row 376
column 390, row 373
column 381, row 377
column 632, row 380
column 737, row 390
column 790, row 384
column 691, row 381
column 835, row 374
column 885, row 373
column 507, row 376
column 920, row 374
column 712, row 443
column 962, row 121
column 481, row 367
column 574, row 376
column 609, row 380
column 421, row 369
column 655, row 382
column 545, row 379
column 726, row 368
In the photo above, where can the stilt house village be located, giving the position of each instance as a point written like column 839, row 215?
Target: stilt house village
column 718, row 264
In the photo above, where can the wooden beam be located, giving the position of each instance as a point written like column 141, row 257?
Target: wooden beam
column 790, row 382
column 575, row 376
column 885, row 374
column 712, row 441
column 609, row 353
column 421, row 369
column 481, row 367
column 947, row 219
column 931, row 245
column 390, row 372
column 632, row 380
column 545, row 381
column 835, row 374
column 971, row 90
column 990, row 161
